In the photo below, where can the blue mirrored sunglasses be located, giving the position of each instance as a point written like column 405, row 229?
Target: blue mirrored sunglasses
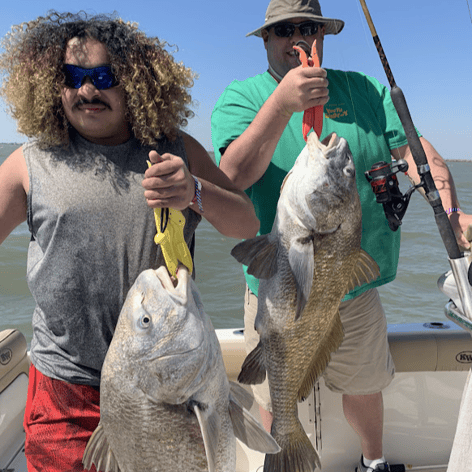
column 102, row 77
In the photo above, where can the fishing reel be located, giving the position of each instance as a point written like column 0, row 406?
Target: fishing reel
column 384, row 182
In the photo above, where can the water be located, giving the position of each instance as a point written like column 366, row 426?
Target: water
column 412, row 298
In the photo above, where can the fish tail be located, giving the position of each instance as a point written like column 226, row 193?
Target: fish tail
column 297, row 454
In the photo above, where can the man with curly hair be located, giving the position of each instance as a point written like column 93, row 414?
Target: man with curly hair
column 99, row 98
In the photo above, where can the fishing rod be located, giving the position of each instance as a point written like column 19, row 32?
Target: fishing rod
column 459, row 264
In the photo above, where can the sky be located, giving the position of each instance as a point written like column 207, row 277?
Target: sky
column 428, row 45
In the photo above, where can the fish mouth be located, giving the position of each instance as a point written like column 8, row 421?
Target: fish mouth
column 177, row 289
column 175, row 285
column 328, row 143
column 321, row 151
column 171, row 355
column 333, row 146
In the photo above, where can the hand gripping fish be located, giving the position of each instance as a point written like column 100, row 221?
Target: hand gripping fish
column 170, row 235
column 313, row 117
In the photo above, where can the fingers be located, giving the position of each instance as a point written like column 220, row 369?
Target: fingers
column 158, row 199
column 462, row 240
column 460, row 223
column 317, row 96
column 313, row 72
column 168, row 183
column 165, row 166
column 303, row 88
column 154, row 157
column 316, row 85
column 464, row 243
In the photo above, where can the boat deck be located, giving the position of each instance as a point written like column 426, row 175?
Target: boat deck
column 421, row 404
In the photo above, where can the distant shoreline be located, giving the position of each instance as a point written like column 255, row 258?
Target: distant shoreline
column 212, row 153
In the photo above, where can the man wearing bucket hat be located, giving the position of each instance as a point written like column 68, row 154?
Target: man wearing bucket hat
column 257, row 136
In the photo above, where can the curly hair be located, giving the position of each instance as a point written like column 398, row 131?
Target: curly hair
column 155, row 86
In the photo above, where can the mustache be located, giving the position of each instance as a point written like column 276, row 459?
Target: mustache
column 95, row 101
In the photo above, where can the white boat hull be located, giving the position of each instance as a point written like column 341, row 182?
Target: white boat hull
column 421, row 404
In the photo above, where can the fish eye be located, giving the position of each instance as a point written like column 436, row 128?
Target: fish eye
column 349, row 172
column 144, row 321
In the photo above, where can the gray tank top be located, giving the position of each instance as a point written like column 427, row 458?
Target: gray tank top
column 92, row 234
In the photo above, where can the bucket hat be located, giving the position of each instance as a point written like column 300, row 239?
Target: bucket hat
column 280, row 10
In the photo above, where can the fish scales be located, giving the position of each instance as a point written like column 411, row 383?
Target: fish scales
column 161, row 436
column 165, row 400
column 306, row 265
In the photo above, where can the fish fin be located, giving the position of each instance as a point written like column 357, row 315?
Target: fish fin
column 241, row 395
column 302, row 263
column 331, row 341
column 248, row 430
column 297, row 452
column 210, row 425
column 259, row 254
column 366, row 270
column 253, row 370
column 98, row 453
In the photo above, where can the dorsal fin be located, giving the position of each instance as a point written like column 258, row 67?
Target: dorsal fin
column 331, row 342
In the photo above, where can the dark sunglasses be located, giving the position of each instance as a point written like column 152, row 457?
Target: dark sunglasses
column 102, row 77
column 286, row 29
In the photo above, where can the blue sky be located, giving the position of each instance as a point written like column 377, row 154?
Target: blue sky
column 428, row 44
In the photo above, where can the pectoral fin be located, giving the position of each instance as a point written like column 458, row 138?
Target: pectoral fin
column 247, row 429
column 98, row 453
column 364, row 272
column 259, row 254
column 253, row 370
column 210, row 426
column 241, row 395
column 302, row 262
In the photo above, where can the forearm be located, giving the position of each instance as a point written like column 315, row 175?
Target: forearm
column 13, row 188
column 444, row 182
column 246, row 159
column 440, row 173
column 169, row 183
column 229, row 211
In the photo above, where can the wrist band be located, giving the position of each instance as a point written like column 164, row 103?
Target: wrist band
column 198, row 196
column 452, row 210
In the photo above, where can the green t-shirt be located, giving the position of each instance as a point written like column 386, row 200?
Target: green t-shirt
column 359, row 110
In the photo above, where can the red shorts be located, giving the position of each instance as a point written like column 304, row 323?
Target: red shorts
column 59, row 420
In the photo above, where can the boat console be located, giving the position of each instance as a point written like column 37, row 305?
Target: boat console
column 14, row 366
